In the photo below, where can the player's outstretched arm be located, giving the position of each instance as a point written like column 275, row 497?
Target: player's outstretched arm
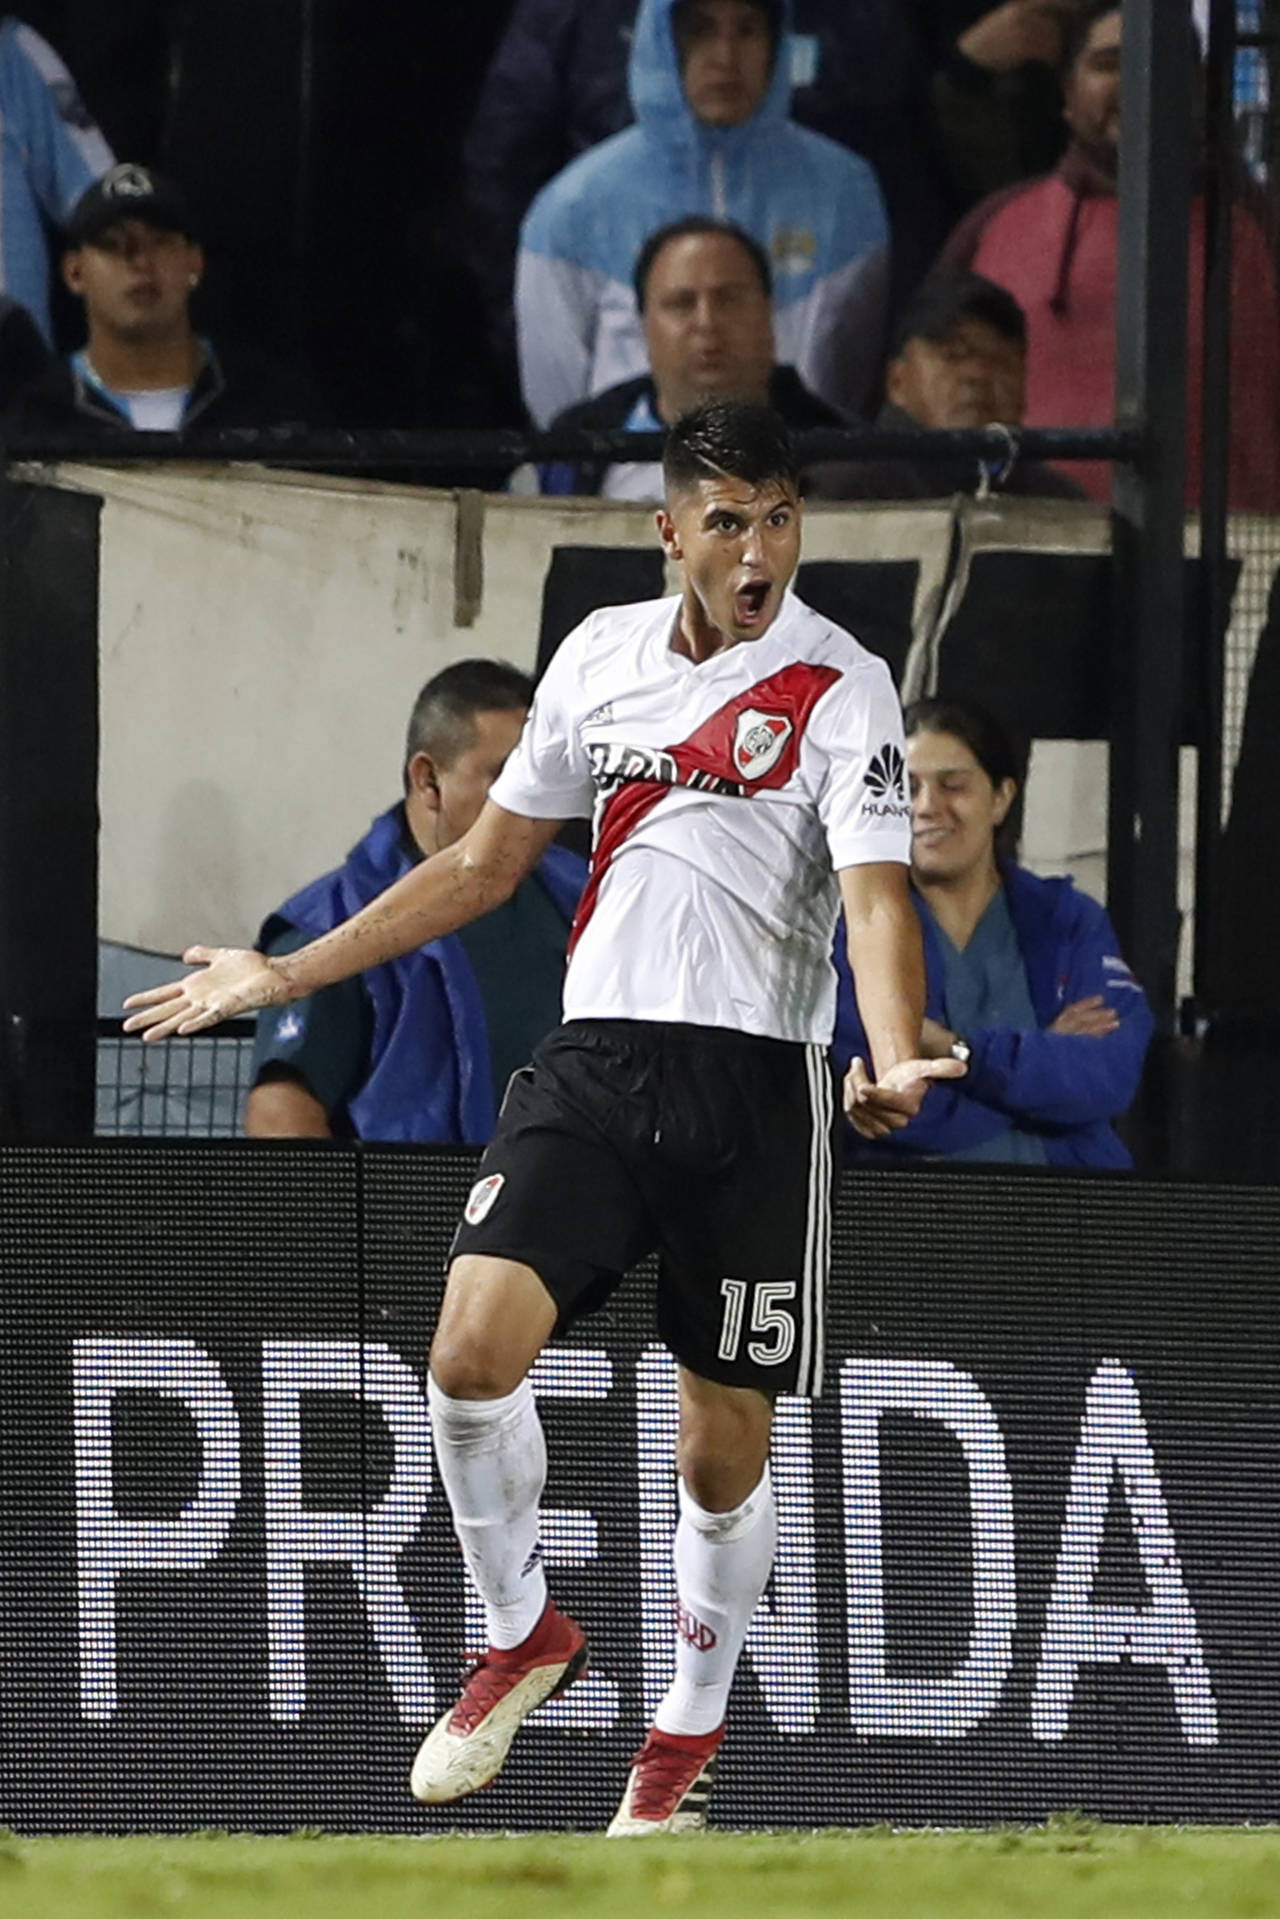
column 886, row 958
column 447, row 891
column 233, row 980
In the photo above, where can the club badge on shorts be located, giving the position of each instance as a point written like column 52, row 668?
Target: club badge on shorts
column 481, row 1197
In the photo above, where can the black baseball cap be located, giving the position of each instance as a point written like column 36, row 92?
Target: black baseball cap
column 947, row 297
column 129, row 192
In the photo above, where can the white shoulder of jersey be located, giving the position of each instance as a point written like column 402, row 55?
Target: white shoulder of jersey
column 607, row 637
column 618, row 625
column 817, row 635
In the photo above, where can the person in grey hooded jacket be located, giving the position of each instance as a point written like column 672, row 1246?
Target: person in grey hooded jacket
column 713, row 135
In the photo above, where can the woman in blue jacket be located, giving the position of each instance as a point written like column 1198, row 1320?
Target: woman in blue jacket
column 1025, row 980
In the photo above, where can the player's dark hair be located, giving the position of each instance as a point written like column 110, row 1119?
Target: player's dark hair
column 697, row 223
column 997, row 752
column 442, row 722
column 729, row 439
column 1077, row 25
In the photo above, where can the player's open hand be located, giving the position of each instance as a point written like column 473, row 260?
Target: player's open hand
column 878, row 1107
column 232, row 980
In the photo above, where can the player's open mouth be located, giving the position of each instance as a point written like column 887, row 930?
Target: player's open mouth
column 749, row 602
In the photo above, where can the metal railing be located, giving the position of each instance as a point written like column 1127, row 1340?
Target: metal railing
column 190, row 1089
column 457, row 457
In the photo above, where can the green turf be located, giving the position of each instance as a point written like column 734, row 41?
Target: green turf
column 1069, row 1867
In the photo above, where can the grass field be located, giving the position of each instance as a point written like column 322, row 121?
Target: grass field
column 1070, row 1867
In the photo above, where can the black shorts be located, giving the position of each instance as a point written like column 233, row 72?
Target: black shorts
column 711, row 1147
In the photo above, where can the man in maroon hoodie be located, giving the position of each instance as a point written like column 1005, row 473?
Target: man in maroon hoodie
column 1053, row 245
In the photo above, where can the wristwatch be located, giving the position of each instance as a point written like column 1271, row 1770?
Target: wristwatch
column 960, row 1049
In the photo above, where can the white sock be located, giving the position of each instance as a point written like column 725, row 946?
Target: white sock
column 493, row 1462
column 723, row 1561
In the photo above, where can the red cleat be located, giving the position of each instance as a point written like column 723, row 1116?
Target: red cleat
column 467, row 1747
column 669, row 1789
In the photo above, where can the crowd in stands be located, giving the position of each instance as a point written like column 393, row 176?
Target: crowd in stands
column 662, row 199
column 858, row 210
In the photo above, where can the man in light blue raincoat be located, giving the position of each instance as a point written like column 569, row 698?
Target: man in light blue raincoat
column 712, row 135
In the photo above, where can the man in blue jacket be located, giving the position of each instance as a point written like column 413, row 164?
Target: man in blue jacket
column 421, row 1049
column 712, row 135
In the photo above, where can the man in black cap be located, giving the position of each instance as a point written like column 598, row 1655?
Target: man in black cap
column 134, row 259
column 959, row 359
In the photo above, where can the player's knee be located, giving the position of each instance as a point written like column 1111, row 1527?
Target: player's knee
column 495, row 1319
column 464, row 1369
column 708, row 1483
column 720, row 1476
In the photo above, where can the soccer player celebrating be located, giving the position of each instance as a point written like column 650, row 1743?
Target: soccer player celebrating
column 742, row 758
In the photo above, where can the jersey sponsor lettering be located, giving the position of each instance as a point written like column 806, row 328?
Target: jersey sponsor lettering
column 617, row 763
column 886, row 779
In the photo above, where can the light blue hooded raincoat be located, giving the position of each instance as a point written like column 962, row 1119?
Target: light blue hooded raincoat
column 813, row 206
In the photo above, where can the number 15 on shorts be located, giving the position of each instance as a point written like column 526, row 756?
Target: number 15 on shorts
column 771, row 1323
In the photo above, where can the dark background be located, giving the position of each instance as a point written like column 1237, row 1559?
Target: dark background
column 319, row 142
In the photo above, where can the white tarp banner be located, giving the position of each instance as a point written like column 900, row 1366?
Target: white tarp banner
column 263, row 636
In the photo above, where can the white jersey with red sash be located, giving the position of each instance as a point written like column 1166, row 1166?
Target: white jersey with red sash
column 724, row 796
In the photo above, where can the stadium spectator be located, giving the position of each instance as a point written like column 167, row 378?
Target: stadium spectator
column 1053, row 244
column 959, row 359
column 134, row 259
column 422, row 1047
column 1026, row 983
column 50, row 153
column 558, row 86
column 995, row 90
column 731, row 746
column 705, row 296
column 713, row 136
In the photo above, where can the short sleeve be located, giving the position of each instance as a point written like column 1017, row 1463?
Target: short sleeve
column 548, row 776
column 860, row 768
